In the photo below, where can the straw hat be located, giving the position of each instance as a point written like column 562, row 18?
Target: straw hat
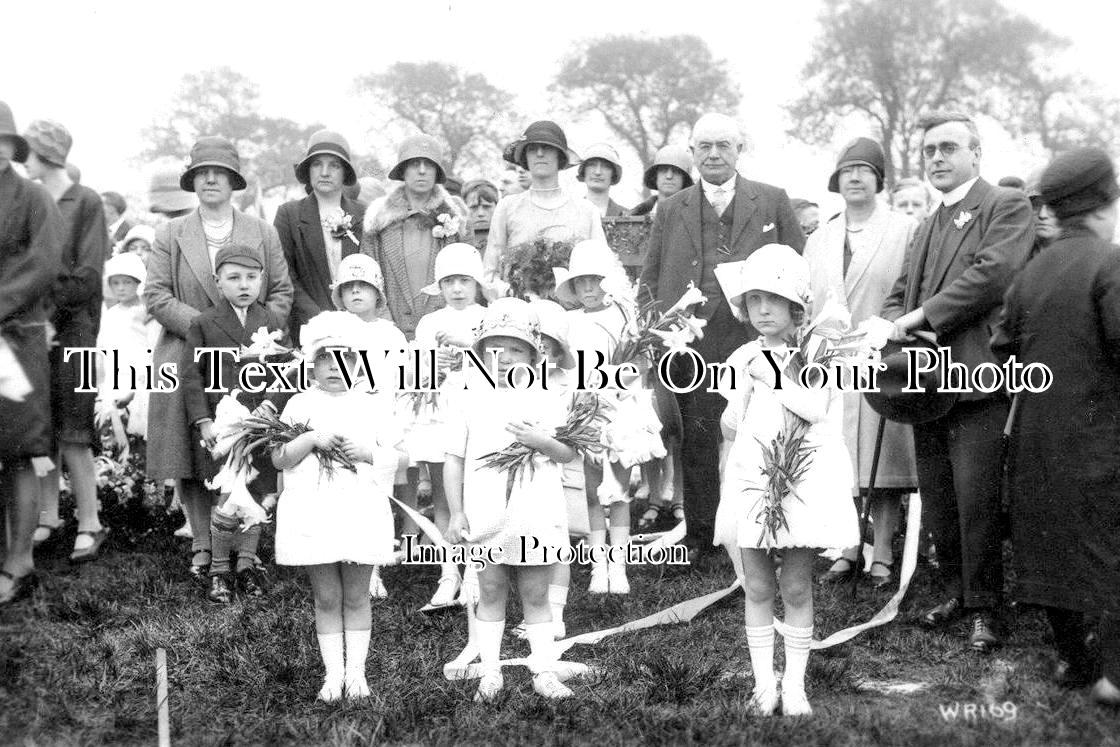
column 589, row 257
column 554, row 323
column 455, row 259
column 509, row 317
column 358, row 267
column 774, row 268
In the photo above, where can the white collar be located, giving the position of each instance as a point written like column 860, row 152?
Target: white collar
column 115, row 225
column 948, row 199
column 727, row 186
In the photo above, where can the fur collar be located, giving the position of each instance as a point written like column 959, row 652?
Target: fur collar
column 394, row 208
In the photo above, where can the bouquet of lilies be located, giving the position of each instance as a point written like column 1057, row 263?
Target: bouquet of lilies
column 647, row 331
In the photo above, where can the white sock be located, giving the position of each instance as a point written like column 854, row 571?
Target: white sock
column 357, row 648
column 557, row 600
column 598, row 537
column 489, row 634
column 331, row 649
column 760, row 643
column 448, row 570
column 797, row 657
column 541, row 644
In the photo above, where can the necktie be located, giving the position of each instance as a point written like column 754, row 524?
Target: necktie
column 719, row 200
column 241, row 315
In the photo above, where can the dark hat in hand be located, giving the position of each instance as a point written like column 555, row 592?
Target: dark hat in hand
column 861, row 151
column 1079, row 181
column 909, row 407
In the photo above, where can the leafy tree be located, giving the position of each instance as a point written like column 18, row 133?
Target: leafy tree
column 646, row 90
column 464, row 111
column 221, row 101
column 892, row 62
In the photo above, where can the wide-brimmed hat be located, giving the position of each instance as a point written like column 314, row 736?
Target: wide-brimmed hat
column 774, row 268
column 213, row 150
column 909, row 407
column 332, row 329
column 455, row 259
column 1078, row 182
column 553, row 321
column 861, row 151
column 589, row 257
column 8, row 130
column 139, row 231
column 331, row 143
column 49, row 140
column 362, row 268
column 677, row 156
column 419, row 146
column 509, row 317
column 164, row 193
column 127, row 264
column 604, row 152
column 542, row 132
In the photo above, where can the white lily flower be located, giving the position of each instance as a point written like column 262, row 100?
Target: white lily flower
column 833, row 321
column 675, row 339
column 692, row 295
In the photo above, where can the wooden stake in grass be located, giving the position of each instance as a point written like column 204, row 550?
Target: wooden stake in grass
column 161, row 699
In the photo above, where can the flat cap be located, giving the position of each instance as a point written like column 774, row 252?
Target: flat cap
column 238, row 254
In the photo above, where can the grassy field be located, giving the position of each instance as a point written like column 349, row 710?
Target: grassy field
column 77, row 667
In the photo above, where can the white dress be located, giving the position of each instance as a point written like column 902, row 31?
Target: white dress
column 344, row 517
column 822, row 514
column 537, row 509
column 129, row 330
column 421, row 412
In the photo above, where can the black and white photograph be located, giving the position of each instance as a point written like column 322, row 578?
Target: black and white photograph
column 627, row 372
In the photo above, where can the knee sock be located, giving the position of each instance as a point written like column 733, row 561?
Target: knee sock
column 490, row 641
column 797, row 657
column 760, row 643
column 222, row 539
column 331, row 649
column 246, row 544
column 542, row 645
column 557, row 600
column 357, row 648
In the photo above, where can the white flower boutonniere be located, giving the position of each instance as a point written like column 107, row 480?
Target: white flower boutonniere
column 447, row 225
column 962, row 219
column 340, row 225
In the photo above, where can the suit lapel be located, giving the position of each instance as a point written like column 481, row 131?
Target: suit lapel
column 917, row 262
column 955, row 236
column 744, row 206
column 693, row 204
column 228, row 322
column 311, row 229
column 192, row 242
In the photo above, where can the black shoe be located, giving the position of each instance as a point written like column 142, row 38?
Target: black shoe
column 943, row 614
column 22, row 586
column 834, row 577
column 984, row 637
column 200, row 572
column 248, row 583
column 221, row 589
column 1073, row 677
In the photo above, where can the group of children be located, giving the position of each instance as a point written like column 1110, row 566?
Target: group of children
column 339, row 524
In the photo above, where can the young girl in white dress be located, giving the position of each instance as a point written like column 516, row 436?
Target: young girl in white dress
column 771, row 289
column 334, row 522
column 632, row 433
column 523, row 532
column 360, row 289
column 448, row 331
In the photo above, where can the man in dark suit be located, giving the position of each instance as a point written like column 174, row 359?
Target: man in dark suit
column 958, row 268
column 322, row 228
column 722, row 219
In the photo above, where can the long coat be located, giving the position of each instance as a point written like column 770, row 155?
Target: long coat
column 873, row 270
column 180, row 285
column 301, row 235
column 1064, row 463
column 30, row 252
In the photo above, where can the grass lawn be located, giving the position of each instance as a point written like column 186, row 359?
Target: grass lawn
column 77, row 667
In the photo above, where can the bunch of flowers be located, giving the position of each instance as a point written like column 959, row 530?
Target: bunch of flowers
column 647, row 331
column 528, row 267
column 445, row 226
column 580, row 431
column 340, row 224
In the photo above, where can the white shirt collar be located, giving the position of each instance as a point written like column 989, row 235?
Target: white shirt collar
column 948, row 199
column 115, row 225
column 241, row 314
column 728, row 186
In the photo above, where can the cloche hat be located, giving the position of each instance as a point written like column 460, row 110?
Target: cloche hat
column 165, row 195
column 50, row 141
column 358, row 267
column 861, row 151
column 332, row 143
column 509, row 317
column 589, row 257
column 677, row 156
column 213, row 150
column 8, row 130
column 603, row 152
column 774, row 268
column 554, row 323
column 543, row 132
column 419, row 146
column 1078, row 182
column 455, row 259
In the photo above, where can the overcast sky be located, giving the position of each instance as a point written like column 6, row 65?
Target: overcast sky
column 106, row 69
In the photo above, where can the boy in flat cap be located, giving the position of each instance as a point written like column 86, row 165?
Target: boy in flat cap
column 238, row 270
column 1064, row 465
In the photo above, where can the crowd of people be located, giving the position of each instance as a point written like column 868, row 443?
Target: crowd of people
column 431, row 265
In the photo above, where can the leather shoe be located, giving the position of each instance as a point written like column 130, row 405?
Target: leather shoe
column 249, row 583
column 1071, row 677
column 200, row 572
column 943, row 614
column 22, row 586
column 221, row 590
column 984, row 637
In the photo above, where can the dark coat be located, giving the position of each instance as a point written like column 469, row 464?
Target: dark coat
column 973, row 271
column 301, row 236
column 1064, row 464
column 30, row 251
column 645, row 207
column 76, row 293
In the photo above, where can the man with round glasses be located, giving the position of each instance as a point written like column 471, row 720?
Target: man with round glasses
column 961, row 262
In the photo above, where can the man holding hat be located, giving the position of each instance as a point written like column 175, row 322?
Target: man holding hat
column 180, row 287
column 76, row 298
column 670, row 172
column 960, row 264
column 601, row 169
column 722, row 219
column 30, row 248
column 855, row 258
column 412, row 223
column 322, row 228
column 1063, row 467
